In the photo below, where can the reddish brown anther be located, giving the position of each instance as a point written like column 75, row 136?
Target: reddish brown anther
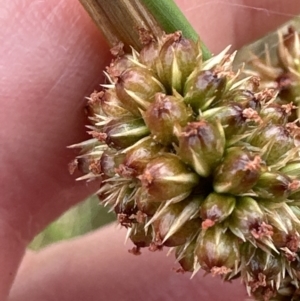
column 125, row 220
column 255, row 81
column 252, row 115
column 135, row 251
column 100, row 136
column 207, row 223
column 125, row 171
column 294, row 185
column 118, row 49
column 220, row 271
column 193, row 128
column 261, row 230
column 289, row 107
column 254, row 165
column 157, row 244
column 293, row 242
column 145, row 36
column 146, row 178
column 140, row 217
column 95, row 97
column 95, row 167
column 260, row 281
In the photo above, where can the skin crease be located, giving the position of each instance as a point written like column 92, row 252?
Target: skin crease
column 51, row 56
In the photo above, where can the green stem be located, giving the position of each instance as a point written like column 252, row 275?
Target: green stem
column 119, row 19
column 170, row 18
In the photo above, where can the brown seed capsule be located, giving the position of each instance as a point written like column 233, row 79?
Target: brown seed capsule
column 186, row 256
column 231, row 118
column 177, row 59
column 260, row 267
column 274, row 140
column 136, row 88
column 275, row 113
column 109, row 161
column 146, row 204
column 181, row 236
column 238, row 172
column 149, row 54
column 178, row 223
column 163, row 114
column 201, row 145
column 140, row 154
column 123, row 132
column 275, row 185
column 217, row 250
column 119, row 65
column 204, row 89
column 286, row 228
column 125, row 204
column 141, row 237
column 167, row 178
column 111, row 105
column 248, row 221
column 216, row 208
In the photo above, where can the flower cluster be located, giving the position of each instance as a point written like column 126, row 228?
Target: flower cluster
column 192, row 156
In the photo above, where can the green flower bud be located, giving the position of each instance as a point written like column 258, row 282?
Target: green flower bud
column 238, row 172
column 136, row 88
column 124, row 131
column 248, row 222
column 274, row 140
column 204, row 89
column 217, row 250
column 177, row 59
column 275, row 185
column 167, row 178
column 163, row 114
column 216, row 208
column 201, row 145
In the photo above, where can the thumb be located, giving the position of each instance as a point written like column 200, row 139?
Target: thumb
column 51, row 57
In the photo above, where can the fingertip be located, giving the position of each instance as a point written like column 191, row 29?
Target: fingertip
column 98, row 266
column 52, row 56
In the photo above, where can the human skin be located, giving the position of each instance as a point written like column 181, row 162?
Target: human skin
column 51, row 56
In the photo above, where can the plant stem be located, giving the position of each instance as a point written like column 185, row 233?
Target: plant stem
column 170, row 18
column 119, row 20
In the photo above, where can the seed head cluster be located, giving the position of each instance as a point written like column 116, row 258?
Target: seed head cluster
column 193, row 156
